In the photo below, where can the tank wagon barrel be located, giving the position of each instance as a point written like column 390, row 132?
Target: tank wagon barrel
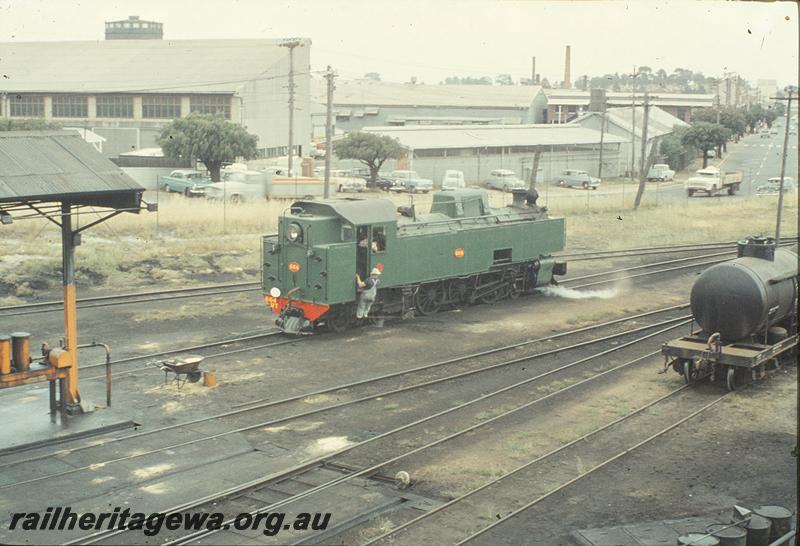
column 747, row 312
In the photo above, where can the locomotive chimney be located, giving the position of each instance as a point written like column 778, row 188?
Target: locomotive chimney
column 757, row 247
column 567, row 84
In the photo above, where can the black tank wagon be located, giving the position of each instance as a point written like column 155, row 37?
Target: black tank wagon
column 747, row 312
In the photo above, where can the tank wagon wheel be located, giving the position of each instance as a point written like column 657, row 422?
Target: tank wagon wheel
column 734, row 379
column 428, row 299
column 689, row 372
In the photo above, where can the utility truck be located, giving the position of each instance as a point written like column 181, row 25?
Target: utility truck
column 711, row 181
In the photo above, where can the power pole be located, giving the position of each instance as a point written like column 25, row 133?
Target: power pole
column 329, row 75
column 291, row 44
column 783, row 162
column 633, row 124
column 602, row 135
column 642, row 160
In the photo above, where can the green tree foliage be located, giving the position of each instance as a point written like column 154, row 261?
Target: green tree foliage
column 468, row 80
column 704, row 137
column 27, row 125
column 209, row 138
column 371, row 150
column 676, row 154
column 731, row 118
column 504, row 79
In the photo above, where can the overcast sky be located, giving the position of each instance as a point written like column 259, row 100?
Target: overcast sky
column 433, row 39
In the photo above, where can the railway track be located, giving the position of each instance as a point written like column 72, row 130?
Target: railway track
column 512, row 493
column 217, row 497
column 234, row 288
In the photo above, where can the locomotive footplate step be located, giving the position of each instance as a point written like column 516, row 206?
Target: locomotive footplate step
column 26, row 426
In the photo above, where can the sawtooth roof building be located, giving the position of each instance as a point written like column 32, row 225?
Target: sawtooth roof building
column 126, row 91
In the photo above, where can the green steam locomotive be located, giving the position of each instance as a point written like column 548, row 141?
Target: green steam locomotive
column 462, row 252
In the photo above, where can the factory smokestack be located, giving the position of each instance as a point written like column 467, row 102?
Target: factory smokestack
column 567, row 83
column 533, row 69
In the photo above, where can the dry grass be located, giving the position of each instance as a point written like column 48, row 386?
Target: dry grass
column 189, row 239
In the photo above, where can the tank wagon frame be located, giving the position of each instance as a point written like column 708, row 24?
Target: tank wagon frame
column 739, row 341
column 461, row 252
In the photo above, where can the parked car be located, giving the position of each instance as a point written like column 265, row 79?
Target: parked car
column 764, row 134
column 345, row 181
column 188, row 182
column 453, row 180
column 573, row 178
column 238, row 186
column 773, row 131
column 660, row 171
column 773, row 185
column 410, row 182
column 504, row 180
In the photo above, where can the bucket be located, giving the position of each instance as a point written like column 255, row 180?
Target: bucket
column 728, row 534
column 209, row 379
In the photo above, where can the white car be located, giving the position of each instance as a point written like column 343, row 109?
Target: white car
column 505, row 180
column 344, row 181
column 773, row 186
column 238, row 186
column 453, row 180
column 660, row 171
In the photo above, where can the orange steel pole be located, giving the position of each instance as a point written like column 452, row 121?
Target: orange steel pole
column 72, row 394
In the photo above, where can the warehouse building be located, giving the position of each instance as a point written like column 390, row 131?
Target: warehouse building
column 478, row 149
column 564, row 105
column 127, row 90
column 366, row 103
column 627, row 125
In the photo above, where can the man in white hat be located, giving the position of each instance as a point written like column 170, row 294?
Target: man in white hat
column 367, row 291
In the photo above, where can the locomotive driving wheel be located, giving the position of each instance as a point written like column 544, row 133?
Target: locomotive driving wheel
column 428, row 299
column 340, row 319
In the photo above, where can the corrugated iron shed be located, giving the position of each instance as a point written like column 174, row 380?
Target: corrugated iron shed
column 53, row 166
column 425, row 137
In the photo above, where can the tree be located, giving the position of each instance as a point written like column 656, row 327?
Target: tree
column 704, row 137
column 504, row 79
column 34, row 124
column 209, row 138
column 370, row 149
column 674, row 151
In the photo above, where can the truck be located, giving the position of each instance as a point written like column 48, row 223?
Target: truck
column 712, row 181
column 661, row 172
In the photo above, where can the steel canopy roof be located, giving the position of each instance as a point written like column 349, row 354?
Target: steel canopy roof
column 59, row 166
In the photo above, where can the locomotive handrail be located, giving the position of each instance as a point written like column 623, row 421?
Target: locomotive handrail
column 496, row 218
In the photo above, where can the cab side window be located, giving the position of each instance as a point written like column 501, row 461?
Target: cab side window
column 379, row 239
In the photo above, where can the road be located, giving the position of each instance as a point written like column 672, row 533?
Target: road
column 757, row 158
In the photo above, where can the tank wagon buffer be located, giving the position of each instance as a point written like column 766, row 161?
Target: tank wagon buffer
column 747, row 312
column 462, row 252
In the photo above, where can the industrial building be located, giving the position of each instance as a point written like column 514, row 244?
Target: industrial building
column 478, row 149
column 367, row 103
column 626, row 123
column 564, row 105
column 127, row 90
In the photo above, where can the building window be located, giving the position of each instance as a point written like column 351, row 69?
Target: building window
column 211, row 104
column 70, row 106
column 114, row 106
column 161, row 106
column 26, row 106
